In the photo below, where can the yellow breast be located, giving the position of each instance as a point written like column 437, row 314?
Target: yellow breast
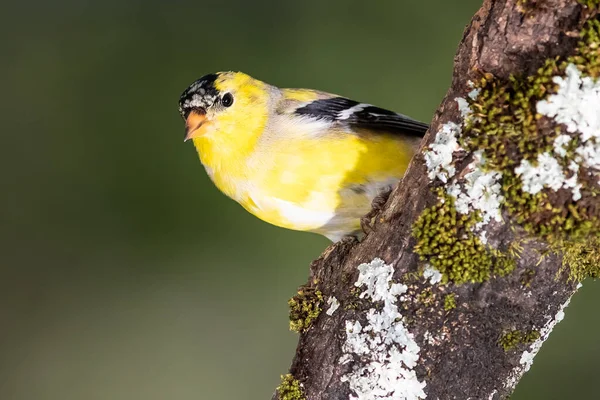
column 322, row 185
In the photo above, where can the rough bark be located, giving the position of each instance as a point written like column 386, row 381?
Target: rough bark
column 468, row 363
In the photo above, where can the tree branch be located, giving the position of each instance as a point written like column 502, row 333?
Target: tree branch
column 468, row 267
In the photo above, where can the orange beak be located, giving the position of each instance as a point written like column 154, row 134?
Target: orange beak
column 193, row 123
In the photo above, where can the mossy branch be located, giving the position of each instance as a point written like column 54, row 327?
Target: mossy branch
column 477, row 252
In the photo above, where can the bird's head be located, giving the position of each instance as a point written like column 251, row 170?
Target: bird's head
column 222, row 104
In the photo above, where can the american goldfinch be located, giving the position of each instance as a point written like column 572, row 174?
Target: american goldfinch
column 296, row 158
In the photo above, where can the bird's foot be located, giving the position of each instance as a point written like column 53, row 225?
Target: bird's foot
column 366, row 223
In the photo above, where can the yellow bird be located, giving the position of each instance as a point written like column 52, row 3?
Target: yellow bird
column 297, row 158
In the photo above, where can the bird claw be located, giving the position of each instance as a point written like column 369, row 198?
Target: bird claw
column 366, row 223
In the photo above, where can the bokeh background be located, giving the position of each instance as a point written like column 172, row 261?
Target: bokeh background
column 125, row 274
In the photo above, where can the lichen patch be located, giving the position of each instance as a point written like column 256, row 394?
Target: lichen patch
column 575, row 103
column 432, row 274
column 383, row 350
column 481, row 191
column 439, row 156
column 333, row 304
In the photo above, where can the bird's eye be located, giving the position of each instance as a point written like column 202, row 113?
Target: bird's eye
column 227, row 100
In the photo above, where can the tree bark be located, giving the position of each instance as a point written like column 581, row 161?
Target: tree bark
column 460, row 352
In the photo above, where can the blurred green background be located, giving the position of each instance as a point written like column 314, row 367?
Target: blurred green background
column 125, row 273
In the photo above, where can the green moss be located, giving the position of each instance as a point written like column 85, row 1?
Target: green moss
column 353, row 302
column 446, row 240
column 590, row 4
column 290, row 389
column 504, row 120
column 512, row 339
column 526, row 6
column 450, row 302
column 426, row 297
column 305, row 307
column 587, row 56
column 582, row 258
column 527, row 277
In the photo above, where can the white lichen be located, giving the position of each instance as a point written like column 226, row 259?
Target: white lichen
column 439, row 158
column 384, row 351
column 588, row 154
column 483, row 237
column 573, row 184
column 333, row 304
column 463, row 107
column 432, row 274
column 546, row 173
column 428, row 337
column 434, row 339
column 481, row 192
column 559, row 144
column 473, row 94
column 575, row 104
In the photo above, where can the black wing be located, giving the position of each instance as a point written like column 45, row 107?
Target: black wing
column 363, row 116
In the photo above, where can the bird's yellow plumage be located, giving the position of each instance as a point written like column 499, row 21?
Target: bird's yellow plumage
column 296, row 158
